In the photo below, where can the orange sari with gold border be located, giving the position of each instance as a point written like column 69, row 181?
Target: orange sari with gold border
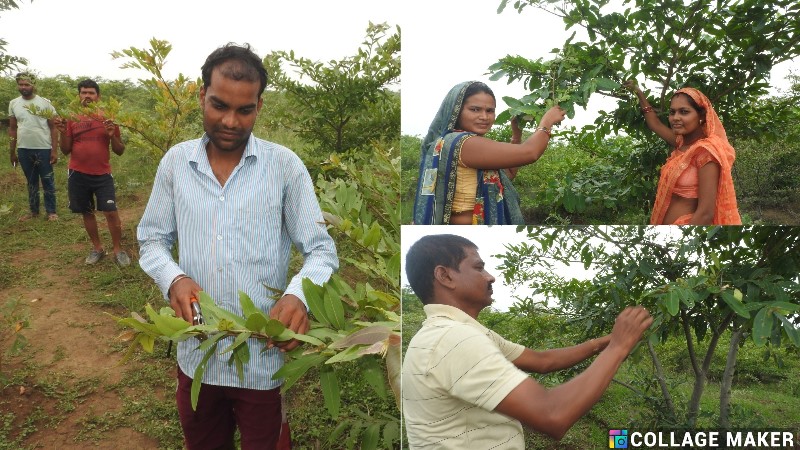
column 726, row 211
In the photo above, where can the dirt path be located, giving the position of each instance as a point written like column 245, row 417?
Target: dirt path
column 69, row 376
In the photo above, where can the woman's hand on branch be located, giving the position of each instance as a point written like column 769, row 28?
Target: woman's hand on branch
column 553, row 116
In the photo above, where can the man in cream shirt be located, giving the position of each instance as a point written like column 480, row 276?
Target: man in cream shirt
column 464, row 386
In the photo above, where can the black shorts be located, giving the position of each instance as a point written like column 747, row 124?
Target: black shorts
column 83, row 189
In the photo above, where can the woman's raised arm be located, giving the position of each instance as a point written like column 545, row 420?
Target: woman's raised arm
column 650, row 117
column 482, row 153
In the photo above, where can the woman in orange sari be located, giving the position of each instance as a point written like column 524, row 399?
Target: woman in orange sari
column 695, row 186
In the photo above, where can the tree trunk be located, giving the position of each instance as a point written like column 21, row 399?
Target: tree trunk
column 727, row 380
column 662, row 381
column 701, row 373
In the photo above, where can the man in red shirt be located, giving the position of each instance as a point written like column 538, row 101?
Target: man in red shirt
column 86, row 141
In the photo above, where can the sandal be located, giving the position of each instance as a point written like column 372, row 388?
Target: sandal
column 52, row 217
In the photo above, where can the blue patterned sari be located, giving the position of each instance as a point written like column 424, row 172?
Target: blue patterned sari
column 496, row 200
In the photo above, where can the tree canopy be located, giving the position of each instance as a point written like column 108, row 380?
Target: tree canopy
column 347, row 103
column 698, row 283
column 725, row 48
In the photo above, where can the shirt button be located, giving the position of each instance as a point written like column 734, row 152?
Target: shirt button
column 222, row 198
column 219, row 237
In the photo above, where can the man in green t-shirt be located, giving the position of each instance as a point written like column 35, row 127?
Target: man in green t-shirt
column 32, row 145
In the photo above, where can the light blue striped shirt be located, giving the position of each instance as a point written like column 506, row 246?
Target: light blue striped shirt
column 234, row 237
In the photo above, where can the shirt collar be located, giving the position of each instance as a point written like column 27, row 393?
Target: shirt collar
column 201, row 155
column 450, row 312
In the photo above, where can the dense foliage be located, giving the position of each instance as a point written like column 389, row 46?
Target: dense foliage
column 699, row 283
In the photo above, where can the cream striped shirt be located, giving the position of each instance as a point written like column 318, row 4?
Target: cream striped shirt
column 455, row 372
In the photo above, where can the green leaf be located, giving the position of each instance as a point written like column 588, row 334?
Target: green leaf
column 241, row 356
column 784, row 307
column 148, row 328
column 146, row 341
column 334, row 309
column 293, row 370
column 672, row 302
column 607, row 85
column 248, row 307
column 371, row 437
column 762, row 326
column 241, row 339
column 211, row 341
column 337, row 432
column 393, row 267
column 314, row 297
column 197, row 380
column 211, row 309
column 256, row 322
column 391, row 433
column 330, row 391
column 345, row 355
column 791, row 331
column 736, row 304
column 307, row 339
column 274, row 327
column 374, row 376
column 373, row 236
column 166, row 325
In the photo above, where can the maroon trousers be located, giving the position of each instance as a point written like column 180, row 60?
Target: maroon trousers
column 221, row 409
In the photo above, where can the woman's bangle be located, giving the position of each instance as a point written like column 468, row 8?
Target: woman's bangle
column 178, row 278
column 546, row 130
column 647, row 109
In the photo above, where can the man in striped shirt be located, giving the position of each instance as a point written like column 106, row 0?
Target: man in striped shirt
column 464, row 386
column 236, row 204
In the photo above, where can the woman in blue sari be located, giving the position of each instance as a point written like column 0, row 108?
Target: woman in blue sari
column 465, row 178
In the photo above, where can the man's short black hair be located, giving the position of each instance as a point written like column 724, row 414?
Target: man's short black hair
column 446, row 250
column 89, row 84
column 236, row 62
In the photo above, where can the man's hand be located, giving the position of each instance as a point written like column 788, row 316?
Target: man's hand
column 291, row 311
column 628, row 328
column 110, row 127
column 180, row 295
column 60, row 124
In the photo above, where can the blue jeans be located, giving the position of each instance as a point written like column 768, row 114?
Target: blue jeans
column 36, row 165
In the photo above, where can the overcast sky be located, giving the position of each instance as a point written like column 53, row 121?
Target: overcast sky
column 451, row 41
column 76, row 37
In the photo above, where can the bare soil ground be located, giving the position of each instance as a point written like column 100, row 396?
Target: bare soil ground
column 68, row 378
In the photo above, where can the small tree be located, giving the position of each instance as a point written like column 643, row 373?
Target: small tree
column 174, row 117
column 348, row 103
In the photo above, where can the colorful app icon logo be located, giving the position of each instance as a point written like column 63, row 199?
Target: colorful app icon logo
column 617, row 438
